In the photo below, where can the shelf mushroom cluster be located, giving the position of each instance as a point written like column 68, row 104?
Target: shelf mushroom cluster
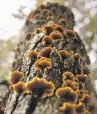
column 74, row 98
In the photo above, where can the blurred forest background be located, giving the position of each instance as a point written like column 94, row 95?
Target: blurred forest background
column 11, row 23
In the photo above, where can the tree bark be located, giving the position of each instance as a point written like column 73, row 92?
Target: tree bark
column 43, row 15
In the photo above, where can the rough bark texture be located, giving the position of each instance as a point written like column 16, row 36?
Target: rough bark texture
column 52, row 13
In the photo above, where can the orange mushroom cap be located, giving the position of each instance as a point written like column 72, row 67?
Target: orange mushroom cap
column 45, row 52
column 64, row 54
column 68, row 108
column 40, row 87
column 48, row 29
column 47, row 40
column 32, row 54
column 67, row 94
column 63, row 21
column 82, row 78
column 15, row 77
column 60, row 28
column 68, row 76
column 85, row 99
column 80, row 107
column 43, row 63
column 28, row 36
column 69, row 83
column 70, row 33
column 56, row 35
column 19, row 87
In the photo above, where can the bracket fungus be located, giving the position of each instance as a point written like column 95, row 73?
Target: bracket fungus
column 69, row 83
column 76, row 56
column 68, row 108
column 43, row 63
column 60, row 28
column 18, row 87
column 47, row 41
column 15, row 77
column 85, row 98
column 68, row 76
column 48, row 29
column 82, row 78
column 63, row 21
column 45, row 52
column 70, row 33
column 56, row 35
column 67, row 94
column 28, row 36
column 80, row 107
column 32, row 54
column 64, row 54
column 40, row 87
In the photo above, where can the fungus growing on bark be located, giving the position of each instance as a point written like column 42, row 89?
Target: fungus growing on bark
column 68, row 76
column 60, row 28
column 68, row 108
column 56, row 35
column 19, row 87
column 40, row 87
column 80, row 107
column 38, row 30
column 76, row 56
column 43, row 63
column 32, row 54
column 64, row 54
column 72, row 84
column 37, row 11
column 86, row 70
column 48, row 29
column 45, row 52
column 70, row 33
column 82, row 78
column 28, row 36
column 67, row 94
column 15, row 77
column 85, row 98
column 62, row 21
column 37, row 16
column 87, row 112
column 47, row 41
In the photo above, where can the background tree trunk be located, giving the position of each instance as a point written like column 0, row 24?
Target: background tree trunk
column 51, row 13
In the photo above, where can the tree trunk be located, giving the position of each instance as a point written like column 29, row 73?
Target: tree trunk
column 32, row 35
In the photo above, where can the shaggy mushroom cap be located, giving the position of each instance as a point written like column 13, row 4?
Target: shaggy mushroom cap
column 56, row 35
column 43, row 63
column 15, row 77
column 40, row 87
column 72, row 84
column 68, row 76
column 68, row 108
column 47, row 41
column 64, row 54
column 67, row 94
column 45, row 52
